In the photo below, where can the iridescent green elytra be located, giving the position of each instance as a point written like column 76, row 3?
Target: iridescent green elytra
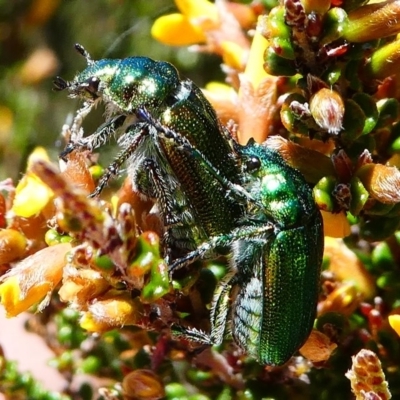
column 184, row 190
column 277, row 252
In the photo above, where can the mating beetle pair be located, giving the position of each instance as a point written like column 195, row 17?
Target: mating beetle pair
column 212, row 193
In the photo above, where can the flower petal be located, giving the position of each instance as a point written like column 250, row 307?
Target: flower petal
column 176, row 30
column 394, row 321
column 255, row 71
column 31, row 197
column 233, row 54
column 110, row 311
column 33, row 279
column 197, row 8
column 31, row 194
column 335, row 225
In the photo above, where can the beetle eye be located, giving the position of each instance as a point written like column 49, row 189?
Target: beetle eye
column 253, row 164
column 92, row 85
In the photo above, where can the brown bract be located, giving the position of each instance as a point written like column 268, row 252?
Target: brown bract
column 381, row 181
column 318, row 347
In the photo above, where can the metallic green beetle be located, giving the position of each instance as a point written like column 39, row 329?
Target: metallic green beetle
column 277, row 250
column 186, row 193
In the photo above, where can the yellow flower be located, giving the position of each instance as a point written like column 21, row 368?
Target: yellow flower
column 112, row 310
column 33, row 279
column 218, row 27
column 31, row 194
column 187, row 27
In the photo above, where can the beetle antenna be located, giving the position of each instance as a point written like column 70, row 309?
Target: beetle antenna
column 81, row 50
column 60, row 84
